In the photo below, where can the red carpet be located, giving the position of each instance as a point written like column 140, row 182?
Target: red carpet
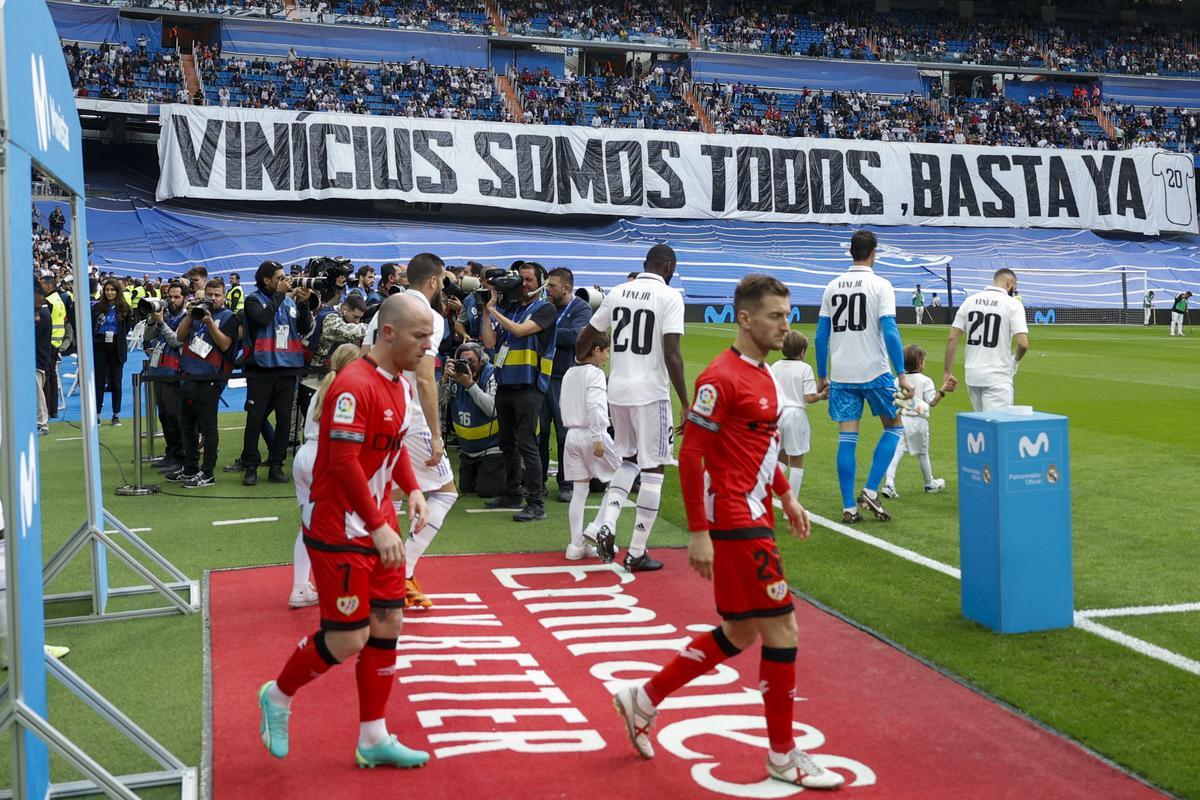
column 505, row 681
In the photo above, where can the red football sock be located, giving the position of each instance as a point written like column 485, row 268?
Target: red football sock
column 310, row 661
column 376, row 672
column 777, row 674
column 702, row 654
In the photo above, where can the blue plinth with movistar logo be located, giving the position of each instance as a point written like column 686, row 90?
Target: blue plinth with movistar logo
column 1014, row 520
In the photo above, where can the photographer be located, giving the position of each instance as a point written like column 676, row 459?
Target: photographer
column 470, row 319
column 163, row 354
column 524, row 359
column 366, row 286
column 62, row 313
column 207, row 333
column 273, row 325
column 392, row 279
column 472, row 383
column 573, row 314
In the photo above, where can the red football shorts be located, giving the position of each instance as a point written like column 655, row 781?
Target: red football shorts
column 748, row 578
column 349, row 584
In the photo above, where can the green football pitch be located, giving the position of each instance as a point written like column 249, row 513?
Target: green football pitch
column 1133, row 399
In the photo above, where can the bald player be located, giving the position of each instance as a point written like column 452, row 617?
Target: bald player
column 350, row 527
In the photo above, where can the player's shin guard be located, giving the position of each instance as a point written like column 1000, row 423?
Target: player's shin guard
column 847, row 464
column 310, row 661
column 375, row 674
column 617, row 493
column 648, row 500
column 702, row 654
column 579, row 496
column 777, row 678
column 884, row 450
column 301, row 564
column 439, row 504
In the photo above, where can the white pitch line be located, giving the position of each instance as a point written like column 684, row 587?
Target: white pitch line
column 883, row 544
column 1082, row 621
column 1138, row 611
column 1137, row 645
column 69, row 439
column 491, row 510
column 246, row 521
column 133, row 530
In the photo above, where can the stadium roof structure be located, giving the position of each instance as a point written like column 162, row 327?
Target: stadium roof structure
column 133, row 234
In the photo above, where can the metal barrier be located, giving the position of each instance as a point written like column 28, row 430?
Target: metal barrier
column 145, row 424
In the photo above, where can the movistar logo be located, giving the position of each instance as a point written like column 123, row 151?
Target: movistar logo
column 1030, row 448
column 46, row 113
column 1043, row 318
column 976, row 443
column 28, row 480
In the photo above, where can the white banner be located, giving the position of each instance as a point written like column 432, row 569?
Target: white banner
column 250, row 154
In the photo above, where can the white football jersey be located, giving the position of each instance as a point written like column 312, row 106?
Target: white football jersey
column 639, row 313
column 416, row 416
column 923, row 391
column 855, row 302
column 990, row 320
column 795, row 380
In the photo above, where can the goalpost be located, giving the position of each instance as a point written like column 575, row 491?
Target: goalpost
column 1111, row 296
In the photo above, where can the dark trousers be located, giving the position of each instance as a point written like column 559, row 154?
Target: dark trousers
column 517, row 411
column 198, row 418
column 167, row 402
column 267, row 392
column 482, row 475
column 51, row 387
column 108, row 375
column 552, row 414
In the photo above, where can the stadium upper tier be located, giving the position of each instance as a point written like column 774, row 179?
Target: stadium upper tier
column 807, row 29
column 659, row 99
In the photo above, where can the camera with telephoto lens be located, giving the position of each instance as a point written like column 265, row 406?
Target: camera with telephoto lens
column 151, row 305
column 394, row 289
column 201, row 309
column 592, row 295
column 462, row 289
column 308, row 282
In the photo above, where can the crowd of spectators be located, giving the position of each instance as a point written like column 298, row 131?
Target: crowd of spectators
column 449, row 16
column 413, row 88
column 1050, row 120
column 655, row 100
column 1178, row 128
column 1121, row 50
column 618, row 20
column 120, row 72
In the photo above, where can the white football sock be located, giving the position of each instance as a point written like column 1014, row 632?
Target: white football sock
column 617, row 493
column 372, row 732
column 579, row 496
column 647, row 511
column 796, row 479
column 439, row 504
column 301, row 564
column 277, row 697
column 926, row 468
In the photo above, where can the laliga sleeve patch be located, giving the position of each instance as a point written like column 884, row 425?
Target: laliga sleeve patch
column 344, row 408
column 706, row 400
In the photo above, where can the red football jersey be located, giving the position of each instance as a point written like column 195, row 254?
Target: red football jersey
column 360, row 449
column 728, row 462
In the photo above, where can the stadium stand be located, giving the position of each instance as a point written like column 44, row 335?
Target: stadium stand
column 655, row 101
column 628, row 21
column 413, row 88
column 119, row 72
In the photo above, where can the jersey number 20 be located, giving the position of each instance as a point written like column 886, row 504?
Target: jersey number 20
column 634, row 330
column 849, row 312
column 985, row 329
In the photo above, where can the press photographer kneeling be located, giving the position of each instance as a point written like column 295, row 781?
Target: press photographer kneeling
column 472, row 383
